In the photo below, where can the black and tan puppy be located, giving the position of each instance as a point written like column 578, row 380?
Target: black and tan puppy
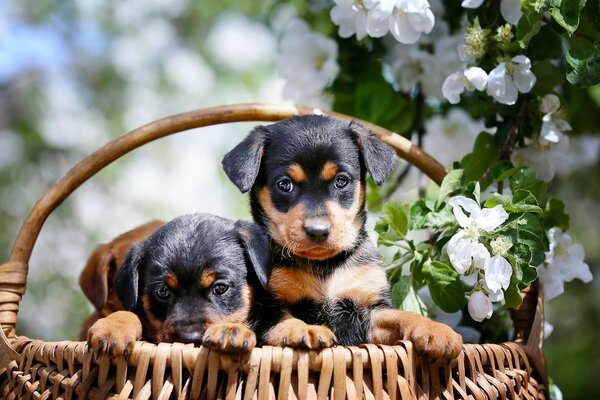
column 306, row 177
column 197, row 279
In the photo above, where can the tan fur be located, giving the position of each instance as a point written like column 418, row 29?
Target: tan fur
column 207, row 278
column 228, row 337
column 329, row 171
column 115, row 334
column 363, row 284
column 429, row 337
column 296, row 333
column 96, row 279
column 296, row 173
column 287, row 229
column 240, row 316
column 344, row 226
column 292, row 284
column 171, row 280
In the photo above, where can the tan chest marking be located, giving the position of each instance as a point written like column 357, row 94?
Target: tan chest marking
column 364, row 284
column 291, row 285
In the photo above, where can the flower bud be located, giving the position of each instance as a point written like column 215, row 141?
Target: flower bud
column 480, row 306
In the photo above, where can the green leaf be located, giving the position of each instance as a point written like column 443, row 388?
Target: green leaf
column 447, row 290
column 521, row 201
column 503, row 170
column 584, row 65
column 450, row 184
column 566, row 13
column 512, row 297
column 393, row 223
column 423, row 217
column 483, row 155
column 555, row 215
column 527, row 180
column 527, row 27
column 405, row 297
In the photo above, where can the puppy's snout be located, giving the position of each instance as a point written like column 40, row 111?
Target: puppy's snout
column 317, row 231
column 189, row 331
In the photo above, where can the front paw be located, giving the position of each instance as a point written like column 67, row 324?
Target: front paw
column 229, row 338
column 115, row 334
column 298, row 334
column 435, row 340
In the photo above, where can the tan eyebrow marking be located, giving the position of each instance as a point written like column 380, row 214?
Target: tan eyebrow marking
column 296, row 173
column 171, row 280
column 208, row 278
column 329, row 171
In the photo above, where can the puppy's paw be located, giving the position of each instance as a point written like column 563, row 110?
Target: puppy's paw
column 435, row 340
column 115, row 334
column 298, row 334
column 229, row 338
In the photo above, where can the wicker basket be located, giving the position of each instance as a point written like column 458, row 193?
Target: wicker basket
column 38, row 369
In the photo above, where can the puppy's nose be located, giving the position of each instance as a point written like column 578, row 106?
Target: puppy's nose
column 318, row 231
column 188, row 336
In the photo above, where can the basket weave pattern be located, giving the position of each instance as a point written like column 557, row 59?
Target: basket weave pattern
column 37, row 369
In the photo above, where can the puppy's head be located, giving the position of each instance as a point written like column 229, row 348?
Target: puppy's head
column 307, row 180
column 194, row 271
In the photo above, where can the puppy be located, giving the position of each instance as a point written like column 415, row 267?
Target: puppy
column 96, row 279
column 306, row 177
column 197, row 279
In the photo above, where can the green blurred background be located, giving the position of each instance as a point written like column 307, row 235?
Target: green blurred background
column 76, row 73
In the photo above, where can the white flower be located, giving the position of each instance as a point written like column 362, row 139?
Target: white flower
column 405, row 19
column 497, row 274
column 469, row 79
column 450, row 137
column 564, row 262
column 351, row 17
column 464, row 249
column 308, row 63
column 552, row 124
column 544, row 157
column 510, row 9
column 509, row 78
column 480, row 306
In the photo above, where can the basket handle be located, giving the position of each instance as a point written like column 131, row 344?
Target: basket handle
column 13, row 274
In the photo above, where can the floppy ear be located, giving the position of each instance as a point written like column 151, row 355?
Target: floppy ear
column 127, row 279
column 243, row 162
column 255, row 242
column 94, row 279
column 379, row 157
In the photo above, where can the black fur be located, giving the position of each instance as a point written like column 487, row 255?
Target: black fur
column 187, row 246
column 265, row 156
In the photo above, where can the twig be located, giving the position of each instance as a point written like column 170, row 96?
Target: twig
column 507, row 148
column 420, row 122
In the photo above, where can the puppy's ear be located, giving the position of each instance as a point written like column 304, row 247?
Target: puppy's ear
column 94, row 279
column 243, row 162
column 127, row 279
column 379, row 158
column 255, row 242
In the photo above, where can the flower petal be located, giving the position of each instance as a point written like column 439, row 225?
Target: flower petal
column 376, row 25
column 511, row 11
column 403, row 30
column 480, row 307
column 453, row 87
column 422, row 21
column 477, row 76
column 458, row 252
column 497, row 273
column 458, row 203
column 471, row 3
column 491, row 218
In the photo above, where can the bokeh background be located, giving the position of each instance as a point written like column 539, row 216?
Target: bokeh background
column 76, row 73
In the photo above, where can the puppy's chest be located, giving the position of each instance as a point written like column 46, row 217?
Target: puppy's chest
column 363, row 285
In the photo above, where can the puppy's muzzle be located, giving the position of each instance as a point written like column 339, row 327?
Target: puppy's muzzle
column 189, row 331
column 317, row 230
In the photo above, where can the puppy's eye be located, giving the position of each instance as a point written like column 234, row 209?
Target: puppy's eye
column 162, row 293
column 341, row 181
column 285, row 185
column 220, row 288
